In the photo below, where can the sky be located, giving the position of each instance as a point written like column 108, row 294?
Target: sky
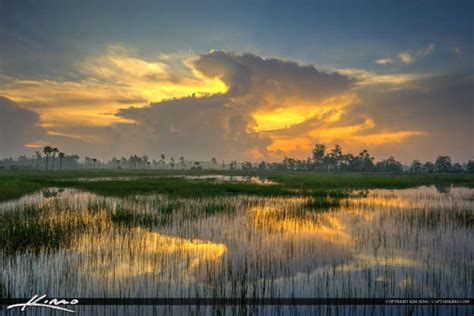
column 244, row 80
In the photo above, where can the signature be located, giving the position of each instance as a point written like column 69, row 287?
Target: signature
column 42, row 301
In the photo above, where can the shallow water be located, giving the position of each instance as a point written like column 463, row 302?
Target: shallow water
column 225, row 178
column 216, row 178
column 386, row 243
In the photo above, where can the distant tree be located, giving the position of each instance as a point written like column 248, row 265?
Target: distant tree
column 223, row 164
column 37, row 155
column 319, row 152
column 346, row 161
column 47, row 151
column 61, row 157
column 247, row 165
column 123, row 162
column 416, row 166
column 214, row 162
column 94, row 160
column 289, row 163
column 115, row 162
column 470, row 166
column 309, row 164
column 196, row 166
column 182, row 162
column 54, row 151
column 336, row 157
column 172, row 163
column 134, row 161
column 428, row 167
column 363, row 162
column 456, row 168
column 389, row 165
column 443, row 164
column 162, row 160
column 87, row 161
column 262, row 165
column 145, row 160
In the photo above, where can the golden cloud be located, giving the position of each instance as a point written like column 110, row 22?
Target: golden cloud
column 245, row 105
column 110, row 82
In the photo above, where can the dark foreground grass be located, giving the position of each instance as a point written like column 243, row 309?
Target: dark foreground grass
column 14, row 184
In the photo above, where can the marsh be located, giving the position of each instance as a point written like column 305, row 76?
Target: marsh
column 372, row 243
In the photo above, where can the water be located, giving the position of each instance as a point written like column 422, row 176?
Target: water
column 225, row 178
column 385, row 243
column 216, row 178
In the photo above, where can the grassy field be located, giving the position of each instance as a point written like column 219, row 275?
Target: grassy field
column 16, row 183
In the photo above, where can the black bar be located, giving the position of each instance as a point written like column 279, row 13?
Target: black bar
column 256, row 301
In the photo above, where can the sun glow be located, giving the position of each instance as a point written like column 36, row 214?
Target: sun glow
column 109, row 82
column 287, row 114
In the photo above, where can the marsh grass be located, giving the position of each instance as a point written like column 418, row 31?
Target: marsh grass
column 323, row 243
column 321, row 204
column 14, row 184
column 35, row 228
column 126, row 217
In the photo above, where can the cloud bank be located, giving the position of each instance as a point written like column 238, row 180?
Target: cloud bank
column 240, row 106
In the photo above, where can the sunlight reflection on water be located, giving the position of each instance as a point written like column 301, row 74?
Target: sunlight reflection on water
column 389, row 243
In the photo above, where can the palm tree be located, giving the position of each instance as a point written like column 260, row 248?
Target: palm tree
column 54, row 151
column 94, row 160
column 47, row 151
column 182, row 162
column 172, row 162
column 61, row 157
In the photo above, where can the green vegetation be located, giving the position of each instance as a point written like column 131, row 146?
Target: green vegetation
column 34, row 227
column 127, row 217
column 14, row 187
column 15, row 183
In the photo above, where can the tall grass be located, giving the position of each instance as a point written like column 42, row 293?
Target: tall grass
column 323, row 243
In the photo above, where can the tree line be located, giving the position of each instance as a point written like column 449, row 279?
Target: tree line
column 321, row 159
column 334, row 160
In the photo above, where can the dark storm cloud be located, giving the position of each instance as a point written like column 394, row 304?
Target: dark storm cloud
column 222, row 124
column 18, row 127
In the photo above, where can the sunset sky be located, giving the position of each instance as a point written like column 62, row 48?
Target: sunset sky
column 245, row 80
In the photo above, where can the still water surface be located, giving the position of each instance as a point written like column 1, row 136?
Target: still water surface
column 383, row 243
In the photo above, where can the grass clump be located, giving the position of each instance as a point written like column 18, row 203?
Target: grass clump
column 126, row 217
column 322, row 203
column 32, row 229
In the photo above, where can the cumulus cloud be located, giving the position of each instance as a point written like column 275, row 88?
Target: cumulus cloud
column 238, row 106
column 18, row 127
column 232, row 124
column 272, row 108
